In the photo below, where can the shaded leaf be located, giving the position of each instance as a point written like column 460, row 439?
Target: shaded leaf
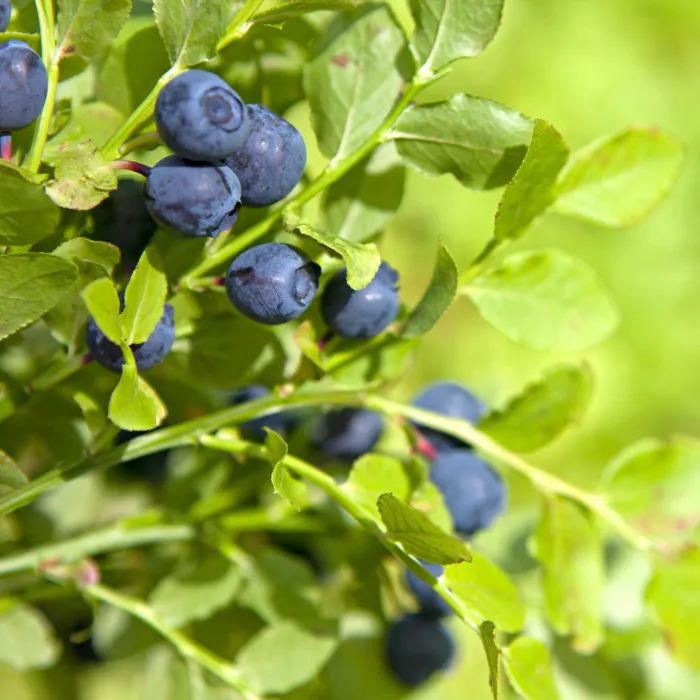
column 190, row 28
column 487, row 592
column 480, row 142
column 571, row 552
column 293, row 490
column 418, row 535
column 655, row 486
column 447, row 30
column 11, row 476
column 30, row 285
column 353, row 80
column 27, row 638
column 437, row 297
column 86, row 27
column 532, row 189
column 546, row 300
column 27, row 214
column 362, row 260
column 82, row 179
column 144, row 298
column 542, row 411
column 102, row 301
column 528, row 667
column 134, row 405
column 616, row 181
column 284, row 656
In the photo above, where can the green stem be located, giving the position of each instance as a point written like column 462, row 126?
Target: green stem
column 147, row 139
column 51, row 59
column 55, row 373
column 185, row 646
column 112, row 149
column 240, row 24
column 335, row 170
column 480, row 261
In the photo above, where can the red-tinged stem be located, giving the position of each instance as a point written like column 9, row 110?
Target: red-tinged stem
column 131, row 165
column 424, row 447
column 6, row 147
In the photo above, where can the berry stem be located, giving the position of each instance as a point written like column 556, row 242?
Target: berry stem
column 131, row 165
column 240, row 24
column 6, row 147
column 146, row 139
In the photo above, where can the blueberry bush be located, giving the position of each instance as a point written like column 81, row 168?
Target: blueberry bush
column 203, row 474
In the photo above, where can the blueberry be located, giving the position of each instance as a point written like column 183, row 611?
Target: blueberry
column 200, row 117
column 5, row 12
column 196, row 199
column 431, row 603
column 272, row 160
column 272, row 283
column 147, row 354
column 451, row 400
column 347, row 433
column 473, row 492
column 23, row 85
column 279, row 422
column 362, row 313
column 417, row 647
column 123, row 220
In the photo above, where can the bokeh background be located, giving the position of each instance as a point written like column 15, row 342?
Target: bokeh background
column 591, row 68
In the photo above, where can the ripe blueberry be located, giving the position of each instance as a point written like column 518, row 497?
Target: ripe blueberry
column 474, row 493
column 5, row 13
column 196, row 199
column 200, row 117
column 431, row 603
column 279, row 422
column 451, row 400
column 123, row 220
column 272, row 160
column 272, row 283
column 147, row 354
column 417, row 647
column 347, row 433
column 362, row 313
column 23, row 85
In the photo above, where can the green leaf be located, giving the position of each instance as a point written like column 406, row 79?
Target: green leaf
column 190, row 28
column 82, row 179
column 362, row 202
column 487, row 592
column 30, row 285
column 27, row 214
column 437, row 297
column 11, row 476
column 134, row 405
column 362, row 261
column 353, row 80
column 293, row 490
column 447, row 30
column 547, row 300
column 26, row 637
column 493, row 657
column 102, row 302
column 616, row 181
column 672, row 594
column 480, row 142
column 197, row 590
column 94, row 122
column 418, row 535
column 297, row 8
column 83, row 251
column 532, row 189
column 542, row 411
column 428, row 499
column 372, row 475
column 283, row 656
column 144, row 298
column 529, row 669
column 86, row 27
column 655, row 486
column 571, row 552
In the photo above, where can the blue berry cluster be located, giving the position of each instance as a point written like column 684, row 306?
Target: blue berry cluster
column 418, row 645
column 23, row 80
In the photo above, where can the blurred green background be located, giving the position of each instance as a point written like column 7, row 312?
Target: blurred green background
column 591, row 68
